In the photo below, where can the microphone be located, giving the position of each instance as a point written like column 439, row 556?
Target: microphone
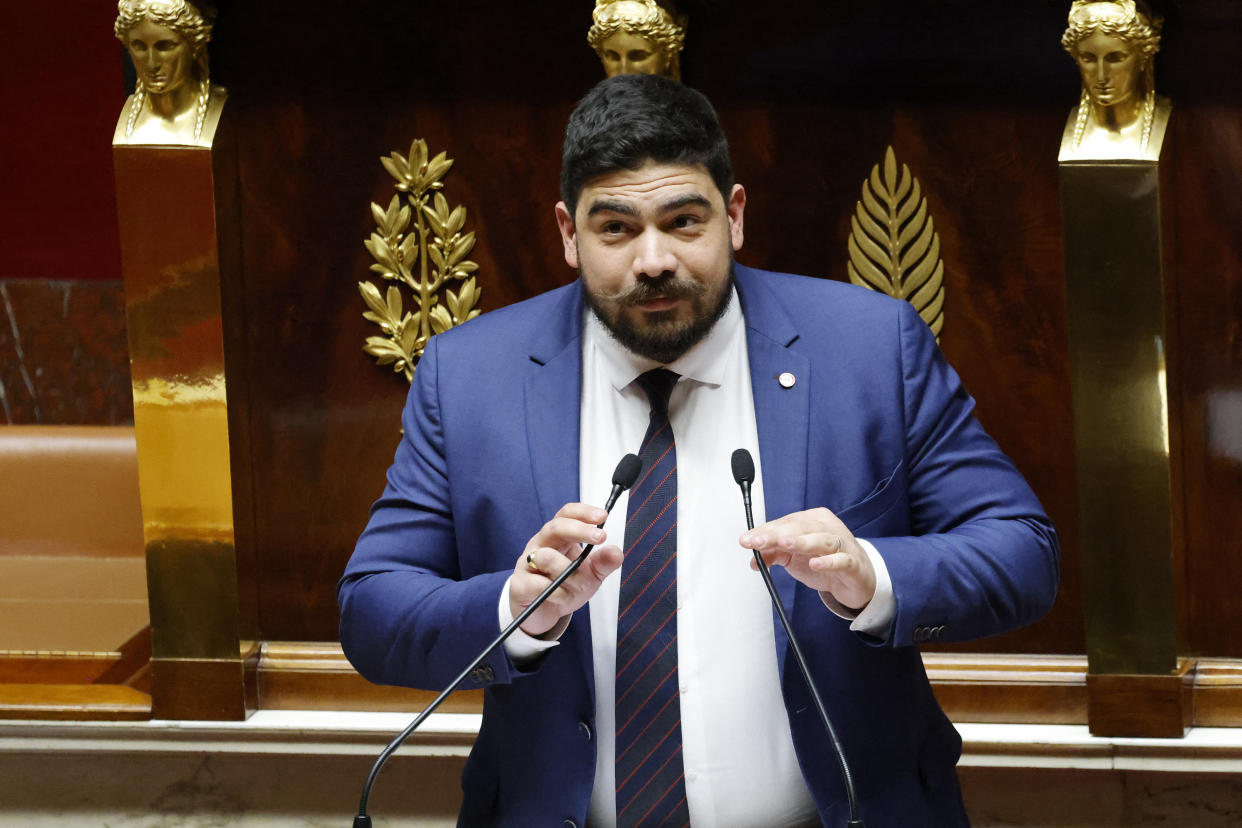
column 623, row 477
column 744, row 475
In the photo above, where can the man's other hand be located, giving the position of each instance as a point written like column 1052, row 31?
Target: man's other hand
column 818, row 550
column 547, row 554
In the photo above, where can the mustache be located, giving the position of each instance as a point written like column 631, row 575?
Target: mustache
column 666, row 287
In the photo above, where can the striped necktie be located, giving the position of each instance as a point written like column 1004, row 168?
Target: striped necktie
column 651, row 786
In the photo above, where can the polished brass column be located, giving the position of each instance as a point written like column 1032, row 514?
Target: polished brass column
column 179, row 237
column 1118, row 353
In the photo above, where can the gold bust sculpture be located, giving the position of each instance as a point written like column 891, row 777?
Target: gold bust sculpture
column 1113, row 43
column 637, row 37
column 174, row 101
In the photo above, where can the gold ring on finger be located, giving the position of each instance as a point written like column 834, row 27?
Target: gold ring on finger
column 530, row 562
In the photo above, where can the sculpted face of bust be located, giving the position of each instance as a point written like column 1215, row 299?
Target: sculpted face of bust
column 1110, row 68
column 1113, row 43
column 626, row 53
column 636, row 37
column 161, row 57
column 167, row 44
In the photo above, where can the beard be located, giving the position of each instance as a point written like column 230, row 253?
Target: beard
column 663, row 337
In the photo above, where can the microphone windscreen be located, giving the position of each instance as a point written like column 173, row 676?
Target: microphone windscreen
column 627, row 471
column 743, row 467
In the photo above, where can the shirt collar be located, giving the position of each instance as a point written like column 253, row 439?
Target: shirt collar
column 705, row 362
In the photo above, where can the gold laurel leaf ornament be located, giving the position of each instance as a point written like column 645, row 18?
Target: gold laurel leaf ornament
column 894, row 247
column 418, row 244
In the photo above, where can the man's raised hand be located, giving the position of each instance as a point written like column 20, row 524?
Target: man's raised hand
column 546, row 555
column 818, row 550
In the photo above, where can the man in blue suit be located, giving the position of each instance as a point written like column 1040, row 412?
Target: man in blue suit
column 894, row 518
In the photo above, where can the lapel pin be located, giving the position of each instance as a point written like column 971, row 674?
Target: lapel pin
column 787, row 380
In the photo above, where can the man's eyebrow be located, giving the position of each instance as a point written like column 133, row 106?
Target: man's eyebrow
column 611, row 206
column 687, row 200
column 622, row 208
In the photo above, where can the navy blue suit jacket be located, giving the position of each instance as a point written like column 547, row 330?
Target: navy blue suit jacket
column 877, row 428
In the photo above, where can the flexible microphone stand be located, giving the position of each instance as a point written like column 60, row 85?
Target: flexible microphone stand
column 622, row 478
column 744, row 474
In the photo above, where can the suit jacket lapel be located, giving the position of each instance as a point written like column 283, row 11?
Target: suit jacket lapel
column 553, row 423
column 553, row 392
column 781, row 414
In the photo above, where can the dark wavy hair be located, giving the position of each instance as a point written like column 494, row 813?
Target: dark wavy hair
column 628, row 120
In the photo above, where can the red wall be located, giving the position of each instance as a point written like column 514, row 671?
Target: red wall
column 61, row 89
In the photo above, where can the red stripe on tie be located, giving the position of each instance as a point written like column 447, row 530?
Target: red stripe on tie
column 648, row 441
column 654, row 577
column 654, row 718
column 676, row 782
column 639, row 565
column 639, row 651
column 655, row 603
column 654, row 774
column 654, row 521
column 675, row 807
column 654, row 661
column 634, row 510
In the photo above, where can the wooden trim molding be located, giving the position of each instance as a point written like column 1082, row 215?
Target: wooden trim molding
column 1030, row 689
column 1020, row 689
column 120, row 666
column 77, row 702
column 1218, row 693
column 1027, row 689
column 297, row 675
column 78, row 685
column 293, row 675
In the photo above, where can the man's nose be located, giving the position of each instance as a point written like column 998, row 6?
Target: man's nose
column 654, row 256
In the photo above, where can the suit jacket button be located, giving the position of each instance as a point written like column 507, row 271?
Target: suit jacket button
column 585, row 730
column 569, row 823
column 483, row 674
column 920, row 634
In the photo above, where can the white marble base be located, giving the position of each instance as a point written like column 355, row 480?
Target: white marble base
column 306, row 769
column 187, row 791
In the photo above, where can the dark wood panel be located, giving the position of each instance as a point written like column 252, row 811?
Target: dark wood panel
column 1206, row 208
column 973, row 98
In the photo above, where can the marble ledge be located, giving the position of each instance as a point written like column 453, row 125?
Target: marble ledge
column 270, row 732
column 329, row 733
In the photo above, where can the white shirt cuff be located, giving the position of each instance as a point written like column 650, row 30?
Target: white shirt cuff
column 523, row 648
column 875, row 618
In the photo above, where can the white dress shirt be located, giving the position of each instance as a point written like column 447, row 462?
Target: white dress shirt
column 740, row 766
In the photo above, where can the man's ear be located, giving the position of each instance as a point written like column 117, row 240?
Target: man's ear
column 737, row 206
column 569, row 234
